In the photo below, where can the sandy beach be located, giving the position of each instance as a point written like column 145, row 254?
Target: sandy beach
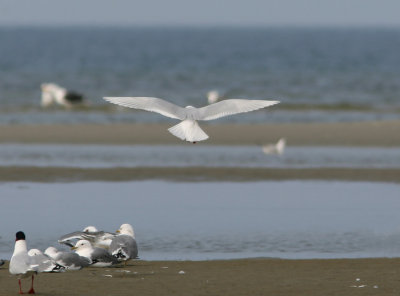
column 374, row 133
column 228, row 277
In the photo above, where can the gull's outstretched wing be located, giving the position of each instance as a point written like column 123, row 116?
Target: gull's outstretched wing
column 229, row 107
column 150, row 104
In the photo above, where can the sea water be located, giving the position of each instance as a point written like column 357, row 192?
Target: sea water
column 318, row 74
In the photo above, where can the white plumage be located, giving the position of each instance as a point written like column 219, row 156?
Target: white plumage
column 277, row 148
column 189, row 129
column 55, row 94
column 213, row 96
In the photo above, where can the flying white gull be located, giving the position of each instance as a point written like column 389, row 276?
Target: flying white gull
column 189, row 129
column 98, row 257
column 100, row 239
column 69, row 260
column 23, row 265
column 124, row 246
column 277, row 148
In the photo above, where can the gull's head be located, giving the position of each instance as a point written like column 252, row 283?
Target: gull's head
column 34, row 252
column 82, row 245
column 19, row 236
column 90, row 229
column 51, row 252
column 212, row 96
column 126, row 229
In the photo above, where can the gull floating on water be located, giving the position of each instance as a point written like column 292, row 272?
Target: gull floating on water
column 189, row 129
column 23, row 265
column 100, row 239
column 98, row 257
column 69, row 260
column 124, row 246
column 277, row 148
column 55, row 94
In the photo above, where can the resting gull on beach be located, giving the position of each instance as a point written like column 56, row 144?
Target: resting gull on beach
column 23, row 265
column 55, row 94
column 98, row 257
column 71, row 261
column 100, row 239
column 189, row 129
column 124, row 246
column 44, row 262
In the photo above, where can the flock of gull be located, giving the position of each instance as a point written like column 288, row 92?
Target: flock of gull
column 90, row 247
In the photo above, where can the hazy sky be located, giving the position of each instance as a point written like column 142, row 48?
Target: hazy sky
column 201, row 12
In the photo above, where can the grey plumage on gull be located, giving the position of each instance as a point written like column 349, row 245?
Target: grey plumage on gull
column 69, row 260
column 98, row 257
column 124, row 246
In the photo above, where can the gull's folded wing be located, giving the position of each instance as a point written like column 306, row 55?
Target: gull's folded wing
column 230, row 107
column 150, row 104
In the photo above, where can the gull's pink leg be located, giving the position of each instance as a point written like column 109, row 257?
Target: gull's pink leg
column 20, row 289
column 31, row 291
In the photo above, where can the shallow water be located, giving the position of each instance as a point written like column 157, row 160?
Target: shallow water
column 199, row 221
column 105, row 156
column 318, row 74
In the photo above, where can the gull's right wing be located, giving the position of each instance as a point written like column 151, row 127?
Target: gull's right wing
column 150, row 104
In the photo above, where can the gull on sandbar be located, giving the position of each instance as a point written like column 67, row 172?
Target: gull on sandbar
column 55, row 94
column 189, row 130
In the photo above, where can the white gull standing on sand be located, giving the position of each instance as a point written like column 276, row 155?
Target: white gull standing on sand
column 189, row 129
column 124, row 246
column 69, row 260
column 23, row 265
column 98, row 257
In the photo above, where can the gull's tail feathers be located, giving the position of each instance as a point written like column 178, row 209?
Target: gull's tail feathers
column 188, row 130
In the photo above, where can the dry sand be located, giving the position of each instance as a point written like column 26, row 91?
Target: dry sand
column 229, row 277
column 376, row 133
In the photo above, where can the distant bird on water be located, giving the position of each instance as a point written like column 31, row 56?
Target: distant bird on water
column 277, row 148
column 55, row 94
column 213, row 96
column 189, row 129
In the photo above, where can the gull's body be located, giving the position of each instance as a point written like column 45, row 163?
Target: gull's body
column 277, row 148
column 124, row 246
column 98, row 257
column 189, row 129
column 100, row 239
column 69, row 260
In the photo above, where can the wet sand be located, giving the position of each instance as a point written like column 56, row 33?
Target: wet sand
column 194, row 174
column 229, row 277
column 374, row 133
